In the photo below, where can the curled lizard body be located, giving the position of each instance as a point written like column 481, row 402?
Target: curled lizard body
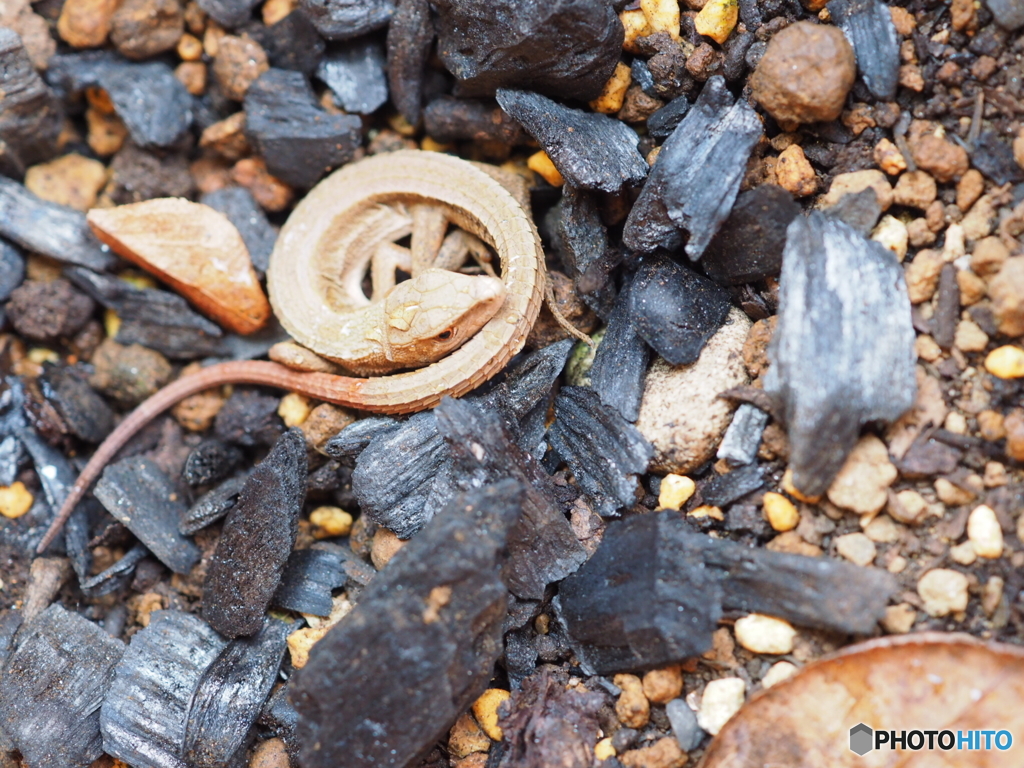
column 324, row 245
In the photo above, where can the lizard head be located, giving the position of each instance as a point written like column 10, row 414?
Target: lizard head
column 437, row 311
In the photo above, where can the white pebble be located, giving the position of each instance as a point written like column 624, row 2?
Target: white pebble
column 764, row 634
column 984, row 532
column 722, row 699
column 857, row 548
column 892, row 233
column 781, row 670
column 944, row 591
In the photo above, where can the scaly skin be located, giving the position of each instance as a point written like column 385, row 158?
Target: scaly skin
column 322, row 237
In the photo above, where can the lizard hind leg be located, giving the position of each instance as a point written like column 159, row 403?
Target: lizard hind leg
column 563, row 322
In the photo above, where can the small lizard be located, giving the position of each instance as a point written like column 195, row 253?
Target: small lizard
column 314, row 280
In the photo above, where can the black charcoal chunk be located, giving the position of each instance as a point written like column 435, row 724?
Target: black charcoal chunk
column 859, row 210
column 357, row 435
column 345, row 19
column 563, row 48
column 743, row 437
column 279, row 716
column 258, row 536
column 994, row 158
column 430, row 624
column 675, row 310
column 868, row 26
column 291, row 43
column 697, row 175
column 402, row 477
column 748, row 247
column 139, row 495
column 156, row 319
column 229, row 13
column 620, row 363
column 238, row 205
column 735, row 49
column 307, row 582
column 843, row 351
column 52, row 686
column 815, row 592
column 1009, row 14
column 152, row 102
column 299, row 140
column 642, row 600
column 212, row 506
column 85, row 413
column 12, row 269
column 355, row 75
column 591, row 150
column 145, row 712
column 662, row 123
column 449, row 119
column 10, row 623
column 210, row 461
column 47, row 228
column 30, row 116
column 723, row 490
column 542, row 547
column 410, row 36
column 604, row 451
column 584, row 245
column 116, row 576
column 249, row 418
column 642, row 76
column 231, row 694
column 947, row 308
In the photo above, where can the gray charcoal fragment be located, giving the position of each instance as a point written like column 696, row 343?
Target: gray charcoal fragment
column 229, row 13
column 211, row 461
column 604, row 451
column 12, row 453
column 542, row 547
column 145, row 712
column 52, row 687
column 50, row 229
column 994, row 158
column 291, row 43
column 662, row 123
column 743, row 437
column 867, row 24
column 299, row 139
column 86, row 414
column 345, row 19
column 685, row 728
column 749, row 246
column 116, row 576
column 10, row 623
column 620, row 363
column 563, row 48
column 257, row 538
column 642, row 600
column 230, row 695
column 431, row 625
column 403, row 477
column 238, row 205
column 308, row 579
column 859, row 210
column 151, row 101
column 355, row 75
column 723, row 490
column 590, row 150
column 156, row 319
column 927, row 457
column 139, row 495
column 641, row 76
column 584, row 246
column 30, row 116
column 674, row 309
column 447, row 118
column 843, row 352
column 410, row 37
column 359, row 434
column 12, row 269
column 280, row 716
column 249, row 418
column 1009, row 14
column 212, row 506
column 947, row 308
column 697, row 175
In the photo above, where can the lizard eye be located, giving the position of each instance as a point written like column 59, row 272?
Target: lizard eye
column 445, row 335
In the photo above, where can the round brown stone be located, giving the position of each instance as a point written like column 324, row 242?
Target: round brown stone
column 805, row 74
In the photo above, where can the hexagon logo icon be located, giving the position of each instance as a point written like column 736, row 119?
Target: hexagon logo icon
column 861, row 738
